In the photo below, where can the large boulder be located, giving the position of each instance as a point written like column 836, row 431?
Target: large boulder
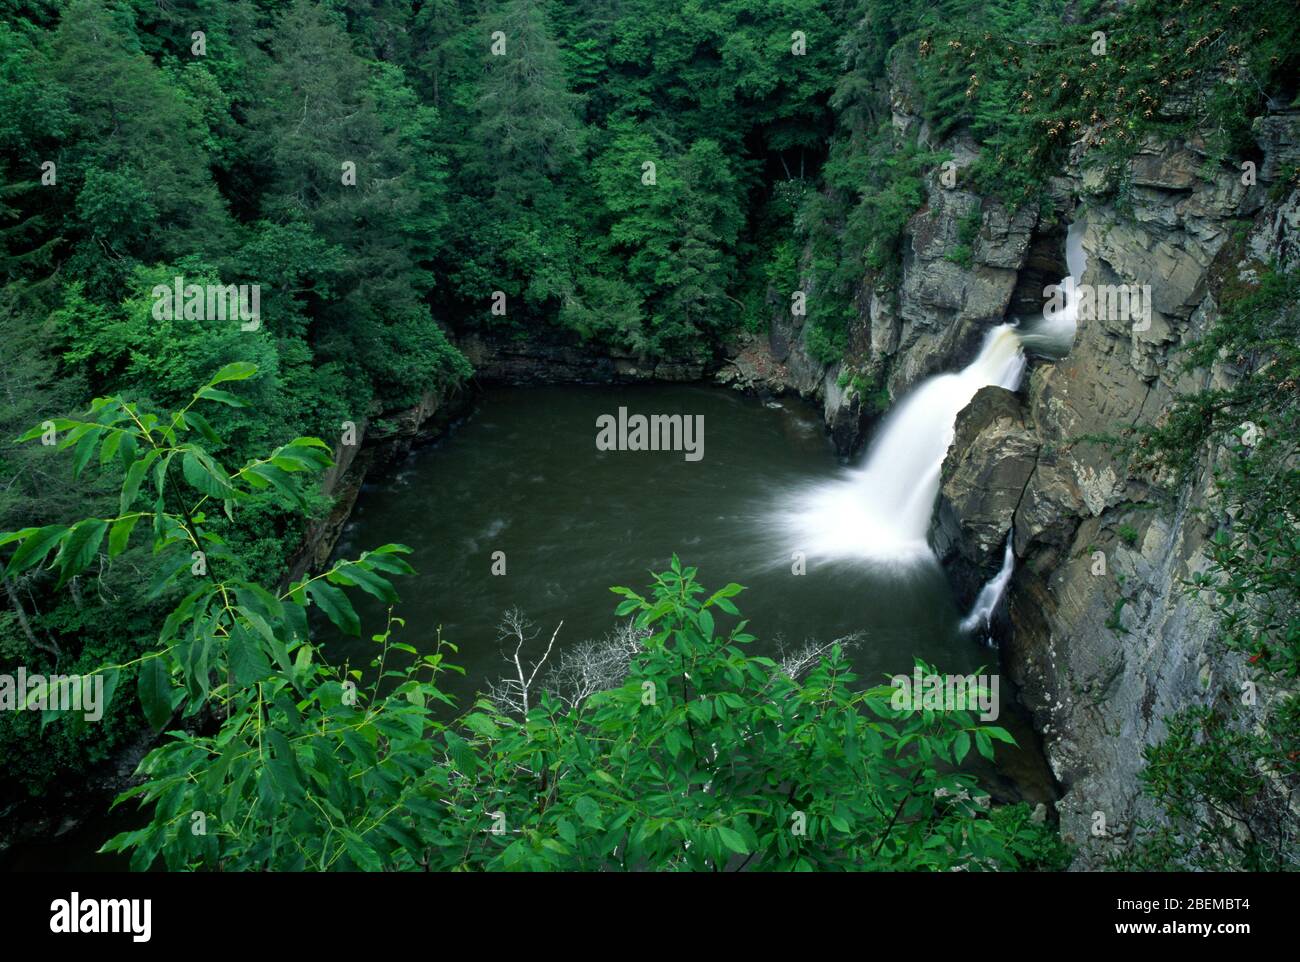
column 988, row 467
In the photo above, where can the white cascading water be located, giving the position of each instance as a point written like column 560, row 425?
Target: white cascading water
column 881, row 510
column 981, row 613
column 1052, row 334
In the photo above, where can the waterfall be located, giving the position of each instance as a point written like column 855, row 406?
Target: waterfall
column 881, row 510
column 1052, row 333
column 987, row 600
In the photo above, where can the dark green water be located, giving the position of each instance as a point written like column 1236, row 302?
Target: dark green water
column 522, row 475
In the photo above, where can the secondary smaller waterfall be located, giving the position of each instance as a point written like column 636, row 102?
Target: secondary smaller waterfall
column 987, row 601
column 1052, row 333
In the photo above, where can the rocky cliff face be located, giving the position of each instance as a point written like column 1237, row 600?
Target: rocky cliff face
column 985, row 477
column 1103, row 639
column 934, row 318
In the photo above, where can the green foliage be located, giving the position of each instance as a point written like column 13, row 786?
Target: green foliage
column 1037, row 845
column 706, row 758
column 967, row 231
column 1225, row 787
column 219, row 169
column 872, row 395
column 674, row 235
column 524, row 112
column 1029, row 82
column 548, row 142
column 1115, row 620
column 855, row 228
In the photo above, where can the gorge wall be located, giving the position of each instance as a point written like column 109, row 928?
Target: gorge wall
column 1105, row 640
column 1099, row 633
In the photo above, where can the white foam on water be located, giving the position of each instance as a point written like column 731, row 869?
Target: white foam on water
column 881, row 509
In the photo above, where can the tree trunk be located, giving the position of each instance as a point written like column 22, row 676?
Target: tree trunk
column 26, row 624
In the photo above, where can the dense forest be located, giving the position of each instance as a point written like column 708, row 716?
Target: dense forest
column 628, row 176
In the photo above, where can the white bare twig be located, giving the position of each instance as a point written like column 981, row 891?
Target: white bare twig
column 799, row 661
column 513, row 694
column 572, row 676
column 595, row 665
